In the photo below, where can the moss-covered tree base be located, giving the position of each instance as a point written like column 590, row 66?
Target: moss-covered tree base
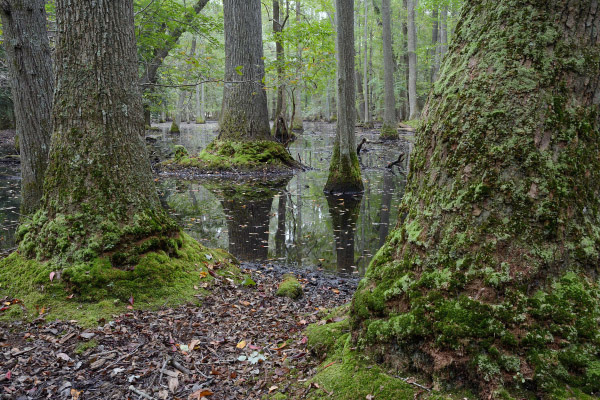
column 544, row 342
column 389, row 132
column 200, row 121
column 88, row 291
column 344, row 174
column 237, row 156
column 174, row 128
column 347, row 373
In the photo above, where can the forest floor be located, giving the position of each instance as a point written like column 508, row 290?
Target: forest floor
column 236, row 343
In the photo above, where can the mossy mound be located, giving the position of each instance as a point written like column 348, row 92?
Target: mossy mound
column 88, row 291
column 238, row 156
column 388, row 132
column 290, row 287
column 200, row 121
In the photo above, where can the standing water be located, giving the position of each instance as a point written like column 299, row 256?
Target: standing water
column 287, row 220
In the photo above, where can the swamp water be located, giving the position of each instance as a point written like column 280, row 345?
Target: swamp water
column 287, row 220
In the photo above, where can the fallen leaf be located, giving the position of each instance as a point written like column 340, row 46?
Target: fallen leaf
column 273, row 388
column 198, row 394
column 63, row 357
column 131, row 300
column 329, row 365
column 193, row 344
column 75, row 394
column 370, row 397
column 173, row 384
column 8, row 375
column 52, row 274
column 336, row 291
column 241, row 344
column 203, row 274
column 245, row 303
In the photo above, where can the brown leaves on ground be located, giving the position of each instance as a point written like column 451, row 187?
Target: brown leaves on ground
column 240, row 343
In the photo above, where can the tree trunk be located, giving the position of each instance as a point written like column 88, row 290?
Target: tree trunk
column 297, row 123
column 361, row 97
column 279, row 50
column 30, row 67
column 435, row 64
column 99, row 194
column 444, row 33
column 412, row 60
column 491, row 278
column 244, row 115
column 183, row 93
column 389, row 129
column 344, row 170
column 367, row 121
column 405, row 106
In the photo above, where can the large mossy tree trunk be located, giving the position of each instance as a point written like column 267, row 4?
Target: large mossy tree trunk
column 344, row 170
column 491, row 278
column 30, row 67
column 99, row 196
column 245, row 114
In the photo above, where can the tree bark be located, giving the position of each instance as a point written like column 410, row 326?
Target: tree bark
column 490, row 279
column 367, row 121
column 181, row 108
column 435, row 65
column 30, row 67
column 344, row 170
column 244, row 115
column 99, row 194
column 280, row 55
column 412, row 60
column 389, row 129
column 298, row 123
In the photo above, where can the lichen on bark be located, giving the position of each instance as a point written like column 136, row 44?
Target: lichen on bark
column 489, row 279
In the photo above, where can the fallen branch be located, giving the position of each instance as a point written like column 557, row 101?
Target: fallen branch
column 140, row 393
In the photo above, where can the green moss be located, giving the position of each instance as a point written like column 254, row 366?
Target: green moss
column 344, row 173
column 200, row 120
column 180, row 152
column 174, row 128
column 290, row 287
column 83, row 346
column 226, row 155
column 89, row 291
column 389, row 132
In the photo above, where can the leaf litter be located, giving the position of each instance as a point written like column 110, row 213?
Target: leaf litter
column 240, row 343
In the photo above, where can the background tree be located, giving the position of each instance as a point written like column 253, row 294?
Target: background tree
column 344, row 171
column 245, row 114
column 30, row 65
column 490, row 279
column 389, row 129
column 412, row 60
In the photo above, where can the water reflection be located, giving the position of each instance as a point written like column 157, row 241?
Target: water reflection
column 291, row 222
column 247, row 207
column 344, row 212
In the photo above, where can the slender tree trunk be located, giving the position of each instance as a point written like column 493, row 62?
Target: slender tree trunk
column 298, row 123
column 99, row 194
column 181, row 108
column 389, row 129
column 405, row 102
column 361, row 97
column 491, row 279
column 435, row 64
column 30, row 67
column 444, row 32
column 344, row 170
column 280, row 54
column 367, row 121
column 412, row 61
column 244, row 114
